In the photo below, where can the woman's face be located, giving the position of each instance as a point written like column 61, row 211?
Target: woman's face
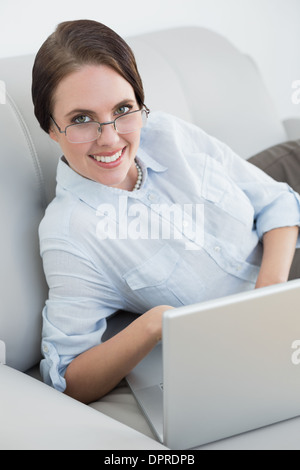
column 98, row 93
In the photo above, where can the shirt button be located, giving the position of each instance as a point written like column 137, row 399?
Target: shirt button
column 185, row 223
column 45, row 349
column 238, row 267
column 217, row 249
column 152, row 197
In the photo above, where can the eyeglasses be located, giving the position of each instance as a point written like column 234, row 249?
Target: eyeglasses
column 89, row 131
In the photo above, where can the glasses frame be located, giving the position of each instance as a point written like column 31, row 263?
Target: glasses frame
column 101, row 124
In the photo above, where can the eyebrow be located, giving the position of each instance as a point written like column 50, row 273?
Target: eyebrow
column 90, row 112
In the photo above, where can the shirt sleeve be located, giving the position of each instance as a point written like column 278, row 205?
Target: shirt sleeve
column 74, row 317
column 275, row 204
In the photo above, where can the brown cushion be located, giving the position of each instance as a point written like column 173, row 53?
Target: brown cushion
column 282, row 162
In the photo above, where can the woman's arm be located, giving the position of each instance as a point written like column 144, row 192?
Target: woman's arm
column 278, row 252
column 97, row 371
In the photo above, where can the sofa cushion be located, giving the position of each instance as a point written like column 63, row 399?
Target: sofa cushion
column 282, row 162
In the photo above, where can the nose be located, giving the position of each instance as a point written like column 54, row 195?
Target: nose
column 108, row 135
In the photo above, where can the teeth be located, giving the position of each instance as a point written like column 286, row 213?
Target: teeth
column 108, row 159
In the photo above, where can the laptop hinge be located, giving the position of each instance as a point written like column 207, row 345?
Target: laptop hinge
column 2, row 353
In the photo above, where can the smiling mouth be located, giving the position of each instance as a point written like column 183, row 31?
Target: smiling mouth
column 108, row 159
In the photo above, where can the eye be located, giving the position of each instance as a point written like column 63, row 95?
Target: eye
column 123, row 109
column 81, row 119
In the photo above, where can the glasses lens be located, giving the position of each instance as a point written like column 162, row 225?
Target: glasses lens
column 82, row 133
column 131, row 122
column 90, row 131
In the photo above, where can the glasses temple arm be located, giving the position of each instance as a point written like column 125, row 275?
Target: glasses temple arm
column 62, row 132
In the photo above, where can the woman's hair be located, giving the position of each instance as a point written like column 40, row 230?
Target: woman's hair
column 72, row 45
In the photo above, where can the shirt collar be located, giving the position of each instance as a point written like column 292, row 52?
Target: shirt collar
column 94, row 193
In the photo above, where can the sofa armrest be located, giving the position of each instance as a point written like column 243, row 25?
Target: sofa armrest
column 35, row 416
column 292, row 127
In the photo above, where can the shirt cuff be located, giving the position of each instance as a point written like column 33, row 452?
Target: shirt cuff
column 283, row 212
column 51, row 370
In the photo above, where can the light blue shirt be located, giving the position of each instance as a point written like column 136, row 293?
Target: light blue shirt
column 191, row 233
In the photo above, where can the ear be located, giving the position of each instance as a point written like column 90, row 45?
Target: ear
column 53, row 134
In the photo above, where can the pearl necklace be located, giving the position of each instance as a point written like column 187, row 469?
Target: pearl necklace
column 139, row 178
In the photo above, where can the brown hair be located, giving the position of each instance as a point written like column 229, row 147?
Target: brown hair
column 72, row 45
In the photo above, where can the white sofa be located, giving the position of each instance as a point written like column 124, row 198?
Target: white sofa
column 190, row 72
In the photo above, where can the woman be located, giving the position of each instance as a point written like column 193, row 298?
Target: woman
column 144, row 219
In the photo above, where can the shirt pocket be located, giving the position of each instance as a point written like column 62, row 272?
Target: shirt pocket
column 162, row 279
column 214, row 183
column 221, row 190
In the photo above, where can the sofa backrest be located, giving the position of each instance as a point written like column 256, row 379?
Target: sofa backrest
column 198, row 75
column 190, row 72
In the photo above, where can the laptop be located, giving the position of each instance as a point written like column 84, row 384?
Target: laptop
column 224, row 367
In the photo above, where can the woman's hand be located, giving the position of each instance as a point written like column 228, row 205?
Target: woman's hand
column 154, row 320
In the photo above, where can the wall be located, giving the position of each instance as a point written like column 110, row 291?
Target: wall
column 268, row 30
